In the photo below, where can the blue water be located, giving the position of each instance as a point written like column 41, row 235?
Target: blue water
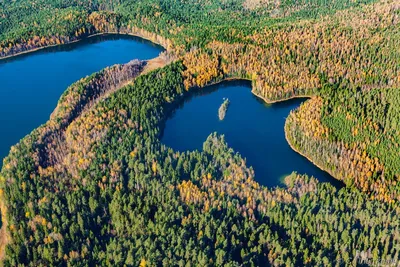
column 31, row 84
column 251, row 127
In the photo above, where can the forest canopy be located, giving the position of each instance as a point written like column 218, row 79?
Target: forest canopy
column 95, row 186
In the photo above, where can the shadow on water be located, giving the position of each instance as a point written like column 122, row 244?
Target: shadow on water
column 32, row 83
column 251, row 127
column 81, row 44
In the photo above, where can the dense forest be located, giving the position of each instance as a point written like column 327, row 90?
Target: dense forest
column 95, row 186
column 130, row 200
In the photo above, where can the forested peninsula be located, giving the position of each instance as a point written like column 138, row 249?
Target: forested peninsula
column 95, row 186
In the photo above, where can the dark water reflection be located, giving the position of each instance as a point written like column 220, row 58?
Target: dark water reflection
column 31, row 84
column 251, row 127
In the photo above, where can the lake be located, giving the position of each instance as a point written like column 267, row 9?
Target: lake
column 31, row 84
column 251, row 127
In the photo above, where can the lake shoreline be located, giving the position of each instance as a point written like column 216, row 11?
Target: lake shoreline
column 266, row 100
column 83, row 39
column 308, row 157
column 167, row 135
column 285, row 129
column 5, row 237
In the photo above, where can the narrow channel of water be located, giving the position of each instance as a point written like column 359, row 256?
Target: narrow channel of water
column 251, row 127
column 31, row 84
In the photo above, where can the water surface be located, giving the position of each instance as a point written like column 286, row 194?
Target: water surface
column 251, row 127
column 31, row 84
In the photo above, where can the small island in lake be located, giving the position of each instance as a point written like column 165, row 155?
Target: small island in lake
column 130, row 165
column 222, row 109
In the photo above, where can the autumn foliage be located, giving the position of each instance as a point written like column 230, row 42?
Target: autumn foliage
column 95, row 186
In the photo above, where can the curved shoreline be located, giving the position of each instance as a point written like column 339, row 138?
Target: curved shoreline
column 286, row 133
column 80, row 40
column 308, row 157
column 5, row 238
column 254, row 92
column 225, row 80
column 285, row 130
column 279, row 100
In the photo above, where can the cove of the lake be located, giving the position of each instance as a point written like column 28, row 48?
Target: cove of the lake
column 251, row 127
column 32, row 83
